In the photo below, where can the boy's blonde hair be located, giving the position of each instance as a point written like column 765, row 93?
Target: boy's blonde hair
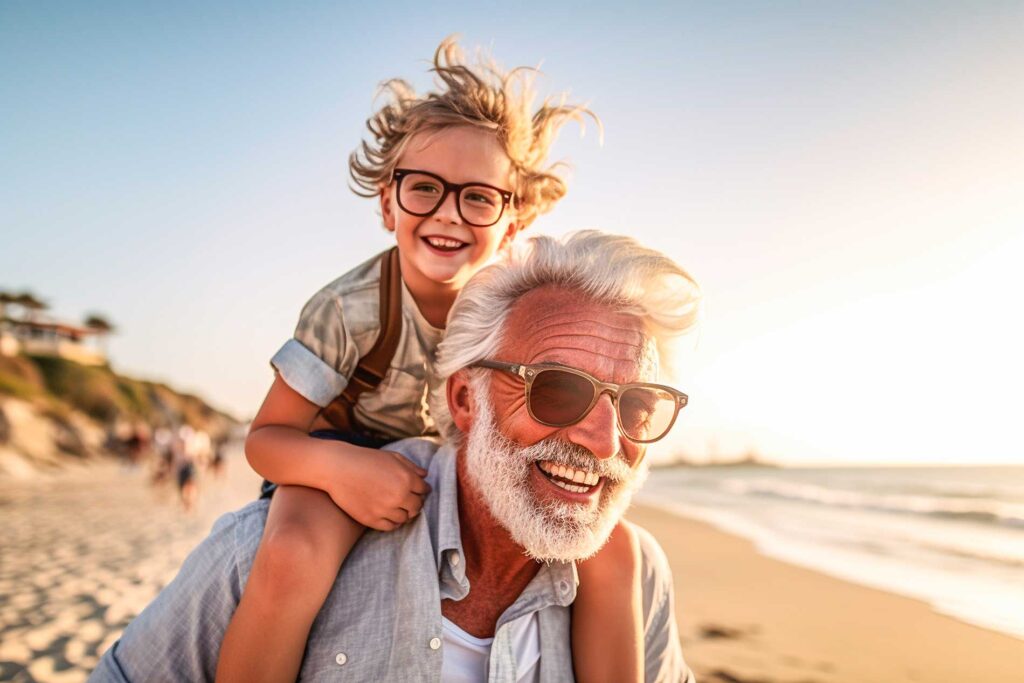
column 480, row 94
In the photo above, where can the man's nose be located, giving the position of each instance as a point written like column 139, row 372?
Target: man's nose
column 448, row 211
column 598, row 432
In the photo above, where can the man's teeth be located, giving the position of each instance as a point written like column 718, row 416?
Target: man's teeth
column 570, row 487
column 581, row 480
column 444, row 242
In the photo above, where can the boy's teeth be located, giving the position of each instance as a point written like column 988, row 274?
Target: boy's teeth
column 444, row 242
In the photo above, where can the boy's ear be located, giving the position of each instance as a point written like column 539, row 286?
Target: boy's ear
column 514, row 228
column 387, row 212
column 509, row 237
column 460, row 401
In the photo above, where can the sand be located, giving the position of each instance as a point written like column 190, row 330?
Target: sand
column 745, row 617
column 85, row 550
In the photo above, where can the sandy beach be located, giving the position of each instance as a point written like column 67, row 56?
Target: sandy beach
column 747, row 618
column 86, row 549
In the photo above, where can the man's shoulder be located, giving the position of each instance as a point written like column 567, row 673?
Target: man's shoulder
column 663, row 656
column 655, row 573
column 654, row 559
column 419, row 449
column 239, row 532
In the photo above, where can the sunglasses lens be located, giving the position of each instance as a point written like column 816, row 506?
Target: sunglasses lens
column 646, row 413
column 560, row 398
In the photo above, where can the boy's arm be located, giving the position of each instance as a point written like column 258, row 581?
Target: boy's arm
column 379, row 489
column 279, row 446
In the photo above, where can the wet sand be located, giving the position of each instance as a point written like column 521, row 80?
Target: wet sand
column 747, row 618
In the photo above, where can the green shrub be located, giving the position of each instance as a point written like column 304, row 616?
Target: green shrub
column 93, row 390
column 18, row 387
column 19, row 377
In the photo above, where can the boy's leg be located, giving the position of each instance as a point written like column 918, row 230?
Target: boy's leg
column 305, row 541
column 608, row 609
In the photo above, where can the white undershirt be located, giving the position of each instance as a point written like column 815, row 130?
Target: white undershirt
column 464, row 658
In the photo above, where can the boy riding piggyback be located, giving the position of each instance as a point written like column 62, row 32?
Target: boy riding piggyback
column 458, row 173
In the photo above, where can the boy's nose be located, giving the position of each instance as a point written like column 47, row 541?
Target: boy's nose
column 448, row 211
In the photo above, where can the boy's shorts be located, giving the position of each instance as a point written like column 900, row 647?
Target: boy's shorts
column 363, row 439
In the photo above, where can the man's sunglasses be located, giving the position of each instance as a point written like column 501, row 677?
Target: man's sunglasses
column 558, row 396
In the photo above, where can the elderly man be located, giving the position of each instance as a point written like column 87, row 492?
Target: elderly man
column 546, row 400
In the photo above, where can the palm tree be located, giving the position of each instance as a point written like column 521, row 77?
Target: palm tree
column 30, row 304
column 6, row 298
column 102, row 327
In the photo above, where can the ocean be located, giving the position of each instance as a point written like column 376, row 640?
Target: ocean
column 950, row 536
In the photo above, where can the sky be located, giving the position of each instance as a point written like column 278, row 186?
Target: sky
column 845, row 180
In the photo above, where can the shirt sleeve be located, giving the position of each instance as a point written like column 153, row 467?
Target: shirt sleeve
column 663, row 655
column 177, row 637
column 321, row 357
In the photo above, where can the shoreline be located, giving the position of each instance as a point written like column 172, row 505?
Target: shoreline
column 744, row 617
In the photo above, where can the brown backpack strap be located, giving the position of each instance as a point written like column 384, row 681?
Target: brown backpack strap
column 374, row 365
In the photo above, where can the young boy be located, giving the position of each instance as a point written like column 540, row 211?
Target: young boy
column 458, row 172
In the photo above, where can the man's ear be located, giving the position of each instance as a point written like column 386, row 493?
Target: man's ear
column 387, row 212
column 461, row 403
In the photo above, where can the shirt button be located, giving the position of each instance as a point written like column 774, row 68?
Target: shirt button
column 435, row 643
column 454, row 559
column 341, row 658
column 563, row 586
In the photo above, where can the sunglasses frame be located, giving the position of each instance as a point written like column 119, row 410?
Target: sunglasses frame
column 399, row 173
column 529, row 373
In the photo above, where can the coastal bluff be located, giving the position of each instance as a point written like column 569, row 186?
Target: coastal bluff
column 56, row 413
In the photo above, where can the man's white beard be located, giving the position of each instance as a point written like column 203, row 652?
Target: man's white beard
column 499, row 469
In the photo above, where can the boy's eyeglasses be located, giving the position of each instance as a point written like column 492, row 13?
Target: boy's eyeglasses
column 559, row 396
column 421, row 193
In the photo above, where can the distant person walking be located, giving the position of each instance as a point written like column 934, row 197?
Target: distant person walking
column 183, row 453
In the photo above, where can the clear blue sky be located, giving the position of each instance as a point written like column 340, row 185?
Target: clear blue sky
column 845, row 179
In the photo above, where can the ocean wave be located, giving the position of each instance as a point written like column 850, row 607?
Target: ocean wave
column 951, row 508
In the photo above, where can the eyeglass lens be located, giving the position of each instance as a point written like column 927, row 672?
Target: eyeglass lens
column 478, row 204
column 562, row 398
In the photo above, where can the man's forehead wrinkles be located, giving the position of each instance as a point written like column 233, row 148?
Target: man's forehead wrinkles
column 576, row 336
column 587, row 328
column 566, row 318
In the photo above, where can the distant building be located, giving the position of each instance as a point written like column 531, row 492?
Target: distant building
column 47, row 337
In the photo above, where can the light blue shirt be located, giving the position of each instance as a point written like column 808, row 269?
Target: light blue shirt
column 382, row 619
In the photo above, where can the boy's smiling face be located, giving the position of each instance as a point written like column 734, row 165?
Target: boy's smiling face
column 440, row 252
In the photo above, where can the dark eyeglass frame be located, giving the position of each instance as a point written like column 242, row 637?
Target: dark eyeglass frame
column 529, row 373
column 399, row 173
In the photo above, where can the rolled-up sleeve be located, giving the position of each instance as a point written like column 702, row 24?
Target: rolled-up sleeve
column 318, row 361
column 177, row 637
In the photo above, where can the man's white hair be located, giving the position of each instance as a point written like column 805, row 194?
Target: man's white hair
column 610, row 269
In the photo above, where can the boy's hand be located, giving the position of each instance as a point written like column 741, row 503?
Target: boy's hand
column 379, row 489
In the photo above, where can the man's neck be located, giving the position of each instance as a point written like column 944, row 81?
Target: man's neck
column 496, row 566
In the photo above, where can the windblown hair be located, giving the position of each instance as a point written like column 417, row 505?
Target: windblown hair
column 609, row 269
column 480, row 94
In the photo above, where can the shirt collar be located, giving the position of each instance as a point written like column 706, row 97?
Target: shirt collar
column 556, row 582
column 443, row 510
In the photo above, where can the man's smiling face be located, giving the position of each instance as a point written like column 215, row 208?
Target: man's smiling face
column 558, row 490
